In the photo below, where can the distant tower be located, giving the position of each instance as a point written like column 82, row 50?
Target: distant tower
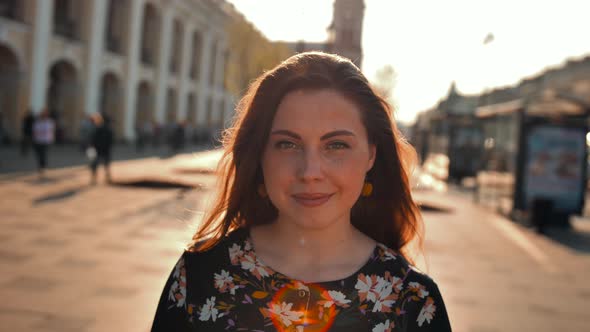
column 346, row 29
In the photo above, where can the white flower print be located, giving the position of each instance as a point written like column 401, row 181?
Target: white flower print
column 385, row 298
column 250, row 263
column 397, row 284
column 384, row 327
column 222, row 279
column 334, row 297
column 300, row 286
column 177, row 293
column 284, row 313
column 365, row 286
column 387, row 254
column 247, row 245
column 209, row 310
column 427, row 312
column 235, row 252
column 419, row 289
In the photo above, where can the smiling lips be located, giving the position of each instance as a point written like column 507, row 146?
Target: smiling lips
column 311, row 199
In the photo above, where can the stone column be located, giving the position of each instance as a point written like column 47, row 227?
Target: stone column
column 133, row 45
column 163, row 67
column 42, row 28
column 187, row 50
column 204, row 87
column 94, row 60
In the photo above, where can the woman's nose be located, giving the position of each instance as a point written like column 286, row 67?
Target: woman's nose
column 310, row 167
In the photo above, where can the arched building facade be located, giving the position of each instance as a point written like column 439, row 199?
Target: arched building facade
column 134, row 60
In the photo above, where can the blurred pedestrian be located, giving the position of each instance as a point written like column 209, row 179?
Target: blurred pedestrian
column 156, row 134
column 43, row 137
column 102, row 143
column 27, row 133
column 313, row 217
column 86, row 129
column 139, row 138
column 177, row 137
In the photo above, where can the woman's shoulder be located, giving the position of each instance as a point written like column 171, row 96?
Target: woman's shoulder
column 393, row 262
column 198, row 253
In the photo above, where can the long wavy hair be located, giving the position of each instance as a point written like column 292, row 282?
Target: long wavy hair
column 389, row 215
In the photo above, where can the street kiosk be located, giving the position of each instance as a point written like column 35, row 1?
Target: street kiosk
column 535, row 159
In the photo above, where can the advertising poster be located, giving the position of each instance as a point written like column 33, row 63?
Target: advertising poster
column 555, row 166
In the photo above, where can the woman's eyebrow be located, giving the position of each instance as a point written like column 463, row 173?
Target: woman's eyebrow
column 337, row 133
column 286, row 133
column 324, row 137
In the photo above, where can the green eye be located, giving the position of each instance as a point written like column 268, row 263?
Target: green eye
column 285, row 145
column 338, row 146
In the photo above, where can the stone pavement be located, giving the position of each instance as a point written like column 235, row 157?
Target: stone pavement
column 76, row 257
column 496, row 275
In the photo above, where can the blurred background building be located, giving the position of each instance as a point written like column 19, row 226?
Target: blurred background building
column 515, row 144
column 139, row 62
column 344, row 33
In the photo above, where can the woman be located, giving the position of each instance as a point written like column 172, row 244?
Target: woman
column 313, row 217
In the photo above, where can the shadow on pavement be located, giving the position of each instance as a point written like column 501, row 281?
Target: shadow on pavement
column 572, row 238
column 47, row 179
column 428, row 207
column 59, row 196
column 154, row 184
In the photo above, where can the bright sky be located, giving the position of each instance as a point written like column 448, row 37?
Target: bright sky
column 431, row 43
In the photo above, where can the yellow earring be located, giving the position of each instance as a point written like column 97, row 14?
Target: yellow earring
column 262, row 190
column 367, row 189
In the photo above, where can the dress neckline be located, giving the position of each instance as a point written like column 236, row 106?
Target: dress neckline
column 245, row 237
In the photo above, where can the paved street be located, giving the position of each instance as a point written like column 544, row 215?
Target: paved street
column 76, row 257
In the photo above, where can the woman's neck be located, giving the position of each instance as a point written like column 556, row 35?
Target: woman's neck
column 311, row 254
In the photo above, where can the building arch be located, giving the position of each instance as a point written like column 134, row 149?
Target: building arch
column 10, row 79
column 63, row 99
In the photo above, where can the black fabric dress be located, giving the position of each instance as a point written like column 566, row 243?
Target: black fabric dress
column 229, row 289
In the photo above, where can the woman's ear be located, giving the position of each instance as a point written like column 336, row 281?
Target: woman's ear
column 372, row 156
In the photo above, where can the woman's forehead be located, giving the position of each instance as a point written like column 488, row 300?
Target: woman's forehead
column 316, row 106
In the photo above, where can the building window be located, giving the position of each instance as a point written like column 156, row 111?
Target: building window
column 64, row 23
column 12, row 9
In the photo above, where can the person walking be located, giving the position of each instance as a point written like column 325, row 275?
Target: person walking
column 102, row 142
column 27, row 133
column 43, row 137
column 86, row 129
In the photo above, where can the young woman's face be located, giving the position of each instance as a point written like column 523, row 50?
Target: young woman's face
column 316, row 158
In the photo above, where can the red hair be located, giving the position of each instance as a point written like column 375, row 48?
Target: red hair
column 389, row 215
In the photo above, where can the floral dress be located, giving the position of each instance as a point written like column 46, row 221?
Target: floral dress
column 228, row 288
